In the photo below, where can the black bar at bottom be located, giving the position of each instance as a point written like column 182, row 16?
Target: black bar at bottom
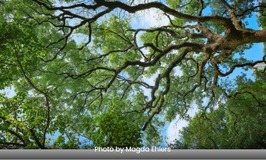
column 93, row 154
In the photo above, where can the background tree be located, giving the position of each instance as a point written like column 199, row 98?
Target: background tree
column 80, row 69
column 239, row 123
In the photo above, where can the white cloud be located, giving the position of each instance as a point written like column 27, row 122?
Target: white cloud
column 8, row 91
column 173, row 130
column 178, row 71
column 177, row 125
column 149, row 18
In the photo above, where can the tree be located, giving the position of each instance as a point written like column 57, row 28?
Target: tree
column 240, row 123
column 79, row 68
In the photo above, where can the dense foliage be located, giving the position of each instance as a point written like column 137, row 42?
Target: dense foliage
column 84, row 75
column 239, row 123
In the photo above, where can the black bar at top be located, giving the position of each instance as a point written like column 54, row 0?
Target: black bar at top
column 92, row 154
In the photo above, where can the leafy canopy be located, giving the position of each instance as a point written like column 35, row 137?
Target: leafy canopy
column 85, row 74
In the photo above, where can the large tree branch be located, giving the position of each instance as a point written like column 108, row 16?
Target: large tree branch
column 236, row 21
column 164, row 8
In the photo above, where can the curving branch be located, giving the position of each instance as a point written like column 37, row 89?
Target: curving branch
column 47, row 104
